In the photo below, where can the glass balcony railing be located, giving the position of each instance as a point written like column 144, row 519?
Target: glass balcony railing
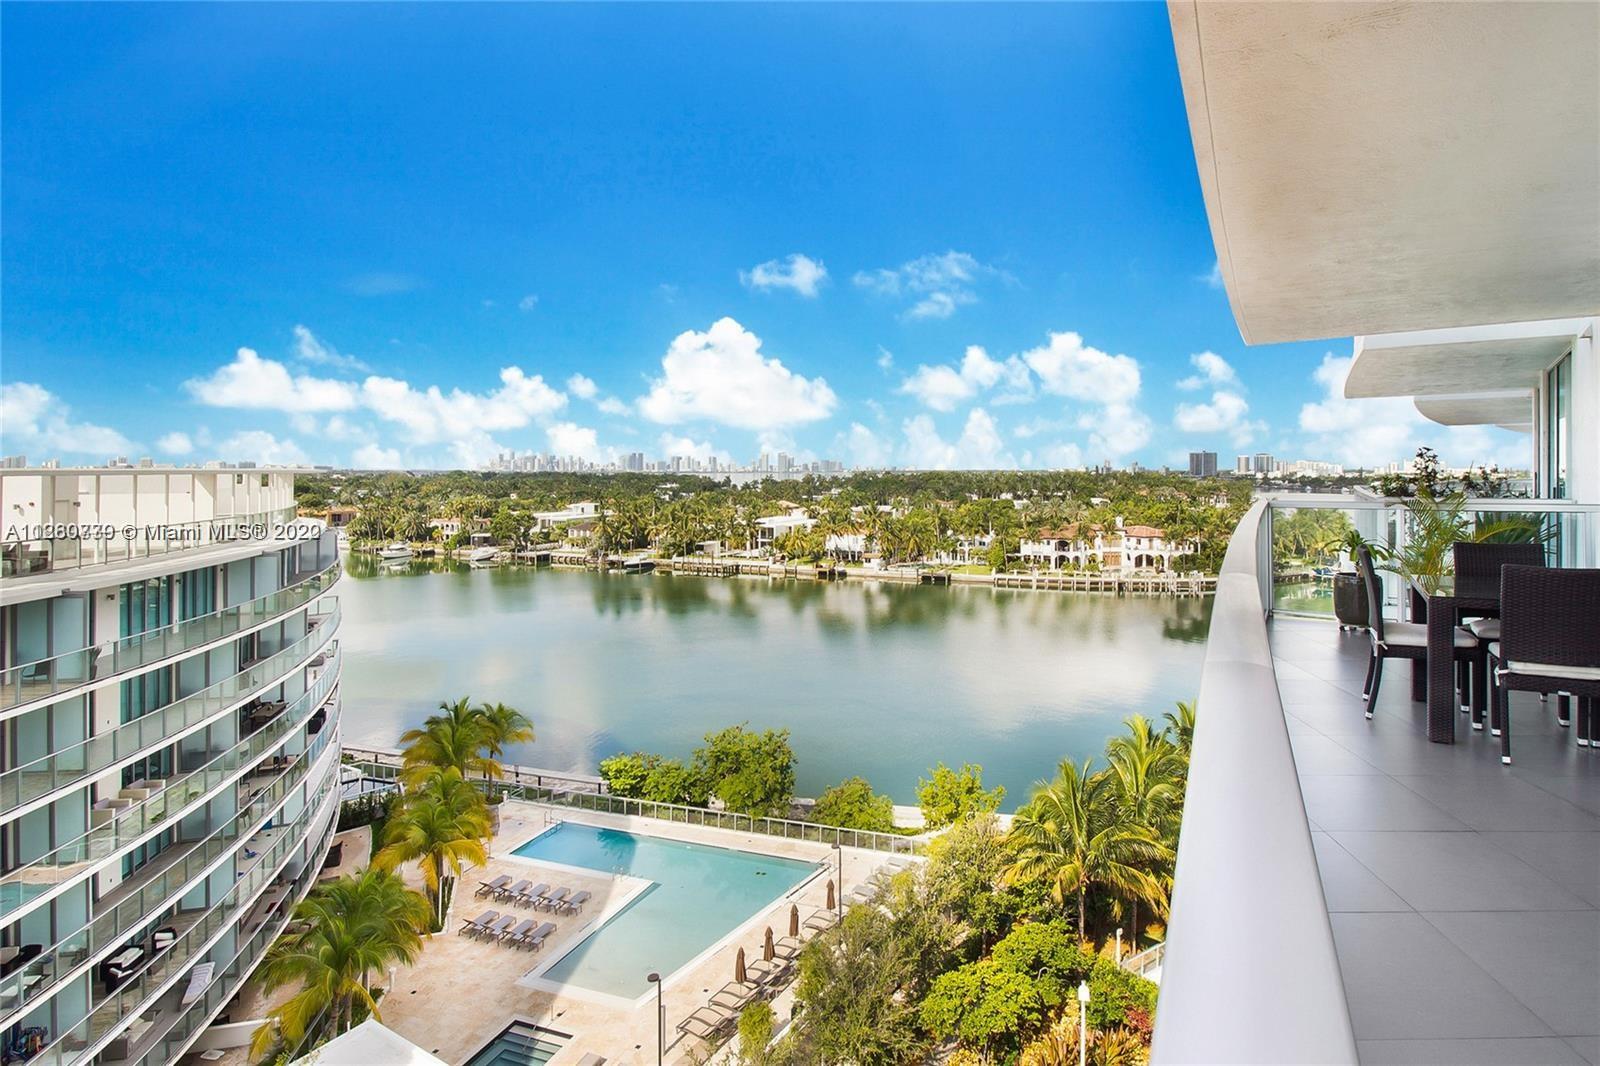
column 19, row 558
column 47, row 678
column 99, row 753
column 175, row 799
column 194, row 1019
column 145, row 898
column 107, row 1013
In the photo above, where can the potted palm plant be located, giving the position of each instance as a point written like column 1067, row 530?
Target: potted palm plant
column 1349, row 591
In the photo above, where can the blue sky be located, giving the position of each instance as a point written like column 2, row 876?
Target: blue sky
column 926, row 236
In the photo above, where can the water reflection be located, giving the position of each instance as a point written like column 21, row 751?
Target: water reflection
column 880, row 680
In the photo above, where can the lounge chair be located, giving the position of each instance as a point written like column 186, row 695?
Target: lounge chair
column 553, row 898
column 535, row 939
column 821, row 920
column 509, row 894
column 530, row 896
column 788, row 947
column 516, row 936
column 574, row 904
column 486, row 888
column 767, row 974
column 480, row 923
column 498, row 929
column 734, row 995
column 708, row 1022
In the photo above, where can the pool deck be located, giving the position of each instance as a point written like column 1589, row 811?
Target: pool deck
column 463, row 992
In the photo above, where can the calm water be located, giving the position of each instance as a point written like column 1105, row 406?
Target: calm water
column 700, row 894
column 878, row 680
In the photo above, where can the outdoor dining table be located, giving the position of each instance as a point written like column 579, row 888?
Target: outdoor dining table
column 1440, row 602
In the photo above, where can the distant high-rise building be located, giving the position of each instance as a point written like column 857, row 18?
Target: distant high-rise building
column 1262, row 463
column 1202, row 464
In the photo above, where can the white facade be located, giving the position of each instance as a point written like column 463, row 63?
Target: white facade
column 770, row 529
column 169, row 747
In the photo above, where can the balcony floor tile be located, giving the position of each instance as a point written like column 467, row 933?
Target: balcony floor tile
column 1516, row 1051
column 1548, row 958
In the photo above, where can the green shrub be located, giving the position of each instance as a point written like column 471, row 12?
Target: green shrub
column 851, row 804
column 752, row 773
column 951, row 795
column 625, row 774
column 985, row 1005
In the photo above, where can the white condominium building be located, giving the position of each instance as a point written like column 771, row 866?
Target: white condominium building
column 169, row 748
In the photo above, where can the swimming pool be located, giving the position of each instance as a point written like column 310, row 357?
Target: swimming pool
column 698, row 895
column 520, row 1045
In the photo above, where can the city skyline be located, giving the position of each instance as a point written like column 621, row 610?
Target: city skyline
column 529, row 251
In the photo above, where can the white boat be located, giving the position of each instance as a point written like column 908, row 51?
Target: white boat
column 482, row 555
column 395, row 551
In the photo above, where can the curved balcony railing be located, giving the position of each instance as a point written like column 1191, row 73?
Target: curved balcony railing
column 19, row 558
column 110, row 1012
column 44, row 974
column 1250, row 974
column 176, row 798
column 85, row 760
column 170, row 1046
column 46, row 679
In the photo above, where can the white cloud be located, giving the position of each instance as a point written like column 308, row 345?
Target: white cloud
column 569, row 438
column 312, row 350
column 671, row 445
column 1064, row 455
column 610, row 405
column 582, row 387
column 1116, row 430
column 798, row 272
column 1374, row 432
column 862, row 448
column 432, row 415
column 1068, row 367
column 940, row 283
column 979, row 447
column 885, row 359
column 32, row 418
column 1213, row 277
column 721, row 375
column 175, row 444
column 943, row 388
column 374, row 457
column 1213, row 370
column 259, row 446
column 528, row 302
column 256, row 383
column 1228, row 412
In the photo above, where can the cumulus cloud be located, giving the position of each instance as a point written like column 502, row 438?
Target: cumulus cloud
column 312, row 350
column 671, row 445
column 943, row 387
column 375, row 457
column 1373, row 432
column 862, row 448
column 800, row 273
column 1213, row 277
column 253, row 382
column 979, row 447
column 885, row 359
column 1068, row 367
column 720, row 375
column 610, row 405
column 937, row 284
column 569, row 438
column 582, row 387
column 259, row 446
column 1116, row 430
column 175, row 444
column 33, row 419
column 1211, row 369
column 432, row 415
column 528, row 302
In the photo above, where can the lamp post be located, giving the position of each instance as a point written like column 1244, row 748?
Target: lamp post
column 661, row 1019
column 1083, row 1022
column 1119, row 945
column 838, row 854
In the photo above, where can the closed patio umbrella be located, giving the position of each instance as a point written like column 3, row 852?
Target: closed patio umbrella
column 768, row 951
column 738, row 967
column 832, row 902
column 794, row 919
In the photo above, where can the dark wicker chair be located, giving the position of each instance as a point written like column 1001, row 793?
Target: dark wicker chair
column 1397, row 640
column 1549, row 642
column 1475, row 561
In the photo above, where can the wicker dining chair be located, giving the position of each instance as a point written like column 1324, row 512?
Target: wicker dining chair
column 1549, row 642
column 1397, row 640
column 1482, row 562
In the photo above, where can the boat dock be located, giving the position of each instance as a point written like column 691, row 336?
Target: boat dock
column 1163, row 584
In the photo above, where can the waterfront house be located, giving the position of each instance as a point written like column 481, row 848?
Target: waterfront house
column 1123, row 548
column 548, row 522
column 769, row 529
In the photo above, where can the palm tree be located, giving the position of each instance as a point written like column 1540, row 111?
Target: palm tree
column 1148, row 773
column 343, row 932
column 453, row 739
column 1180, row 728
column 500, row 727
column 443, row 825
column 1076, row 835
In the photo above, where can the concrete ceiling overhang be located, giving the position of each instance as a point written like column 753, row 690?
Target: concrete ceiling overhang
column 1511, row 409
column 1473, row 359
column 1378, row 167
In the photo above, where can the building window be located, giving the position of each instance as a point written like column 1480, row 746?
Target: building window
column 1558, row 427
